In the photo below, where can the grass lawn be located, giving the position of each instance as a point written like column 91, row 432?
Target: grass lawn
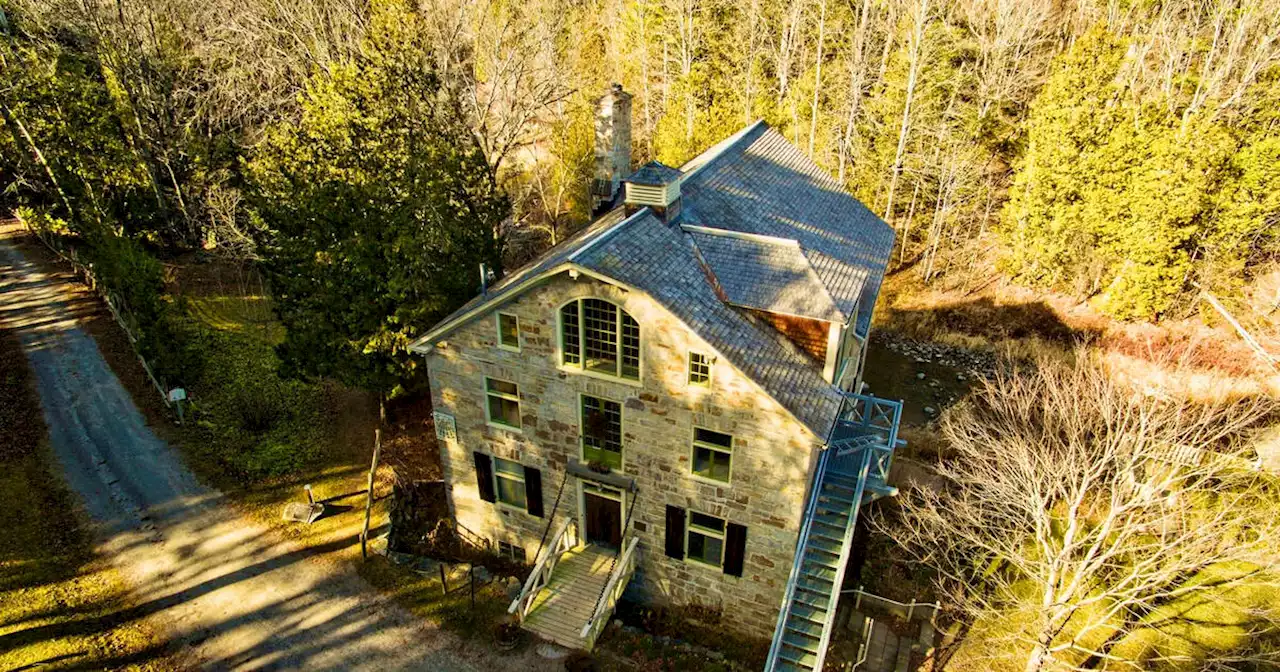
column 61, row 607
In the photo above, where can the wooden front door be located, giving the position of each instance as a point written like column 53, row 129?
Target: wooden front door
column 602, row 511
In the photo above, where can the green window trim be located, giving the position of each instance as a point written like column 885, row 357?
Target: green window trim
column 705, row 539
column 502, row 403
column 712, row 457
column 601, row 430
column 699, row 369
column 508, row 483
column 508, row 331
column 600, row 338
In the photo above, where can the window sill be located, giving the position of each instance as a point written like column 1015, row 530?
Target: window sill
column 511, row 508
column 506, row 428
column 694, row 562
column 600, row 376
column 711, row 481
column 509, row 348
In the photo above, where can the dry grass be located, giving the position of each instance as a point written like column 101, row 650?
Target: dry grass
column 1200, row 358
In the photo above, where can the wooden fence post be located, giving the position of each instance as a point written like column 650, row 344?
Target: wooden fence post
column 368, row 502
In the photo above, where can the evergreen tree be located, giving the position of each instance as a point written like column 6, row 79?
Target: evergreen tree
column 377, row 207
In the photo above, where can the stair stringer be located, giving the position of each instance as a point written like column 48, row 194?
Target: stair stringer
column 862, row 458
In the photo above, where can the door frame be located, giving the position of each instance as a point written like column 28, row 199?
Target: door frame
column 582, row 506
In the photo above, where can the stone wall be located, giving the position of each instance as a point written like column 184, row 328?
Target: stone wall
column 772, row 454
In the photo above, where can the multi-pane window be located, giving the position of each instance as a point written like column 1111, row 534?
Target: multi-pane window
column 508, row 331
column 508, row 483
column 503, row 402
column 597, row 336
column 712, row 454
column 699, row 369
column 602, row 431
column 511, row 551
column 705, row 541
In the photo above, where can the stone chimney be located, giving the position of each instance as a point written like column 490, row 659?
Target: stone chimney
column 613, row 145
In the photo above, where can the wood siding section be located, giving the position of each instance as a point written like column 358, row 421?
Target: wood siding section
column 809, row 335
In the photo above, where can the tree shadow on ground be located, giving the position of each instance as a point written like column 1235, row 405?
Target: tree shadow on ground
column 987, row 319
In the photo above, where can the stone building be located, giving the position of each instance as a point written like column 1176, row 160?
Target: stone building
column 665, row 404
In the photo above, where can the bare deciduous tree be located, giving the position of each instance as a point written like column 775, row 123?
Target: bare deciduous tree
column 1080, row 512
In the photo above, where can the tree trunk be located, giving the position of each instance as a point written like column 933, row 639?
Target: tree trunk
column 373, row 470
column 19, row 130
column 857, row 73
column 913, row 69
column 817, row 75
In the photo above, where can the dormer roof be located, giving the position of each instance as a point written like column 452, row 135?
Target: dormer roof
column 764, row 273
column 656, row 174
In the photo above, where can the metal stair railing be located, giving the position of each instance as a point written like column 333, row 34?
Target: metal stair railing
column 613, row 568
column 843, row 564
column 618, row 579
column 565, row 539
column 551, row 517
column 802, row 544
column 866, row 455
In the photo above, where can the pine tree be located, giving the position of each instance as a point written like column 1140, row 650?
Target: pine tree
column 377, row 207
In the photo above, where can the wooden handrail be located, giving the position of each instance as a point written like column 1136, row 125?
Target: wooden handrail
column 563, row 540
column 613, row 590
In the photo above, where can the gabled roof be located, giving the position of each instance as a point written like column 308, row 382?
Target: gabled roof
column 764, row 273
column 655, row 173
column 760, row 183
column 659, row 260
column 776, row 233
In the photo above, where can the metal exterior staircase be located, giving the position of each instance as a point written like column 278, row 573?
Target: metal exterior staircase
column 853, row 470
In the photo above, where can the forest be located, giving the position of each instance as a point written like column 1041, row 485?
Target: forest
column 1123, row 152
column 362, row 158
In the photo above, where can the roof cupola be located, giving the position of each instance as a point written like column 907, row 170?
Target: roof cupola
column 655, row 186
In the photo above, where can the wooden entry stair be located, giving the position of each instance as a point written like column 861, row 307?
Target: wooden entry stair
column 567, row 602
column 573, row 588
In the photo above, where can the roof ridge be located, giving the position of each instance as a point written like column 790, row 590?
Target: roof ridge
column 609, row 231
column 730, row 233
column 696, row 164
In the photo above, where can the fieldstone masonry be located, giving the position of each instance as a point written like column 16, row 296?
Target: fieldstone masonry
column 773, row 454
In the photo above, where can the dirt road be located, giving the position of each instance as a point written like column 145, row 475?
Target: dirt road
column 229, row 593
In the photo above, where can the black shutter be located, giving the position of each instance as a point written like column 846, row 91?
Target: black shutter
column 675, row 532
column 735, row 549
column 484, row 477
column 533, row 490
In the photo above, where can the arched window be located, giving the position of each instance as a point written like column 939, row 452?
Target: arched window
column 599, row 337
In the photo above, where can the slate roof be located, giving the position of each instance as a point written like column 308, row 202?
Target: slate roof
column 655, row 173
column 810, row 249
column 760, row 183
column 769, row 274
column 644, row 244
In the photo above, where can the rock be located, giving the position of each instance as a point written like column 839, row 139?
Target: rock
column 960, row 377
column 482, row 575
column 549, row 651
column 920, row 375
column 617, row 623
column 929, row 410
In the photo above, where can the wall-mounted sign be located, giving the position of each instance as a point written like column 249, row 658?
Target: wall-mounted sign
column 446, row 430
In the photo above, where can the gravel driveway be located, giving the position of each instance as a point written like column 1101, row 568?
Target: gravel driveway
column 230, row 593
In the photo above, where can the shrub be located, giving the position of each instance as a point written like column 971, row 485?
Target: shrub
column 258, row 406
